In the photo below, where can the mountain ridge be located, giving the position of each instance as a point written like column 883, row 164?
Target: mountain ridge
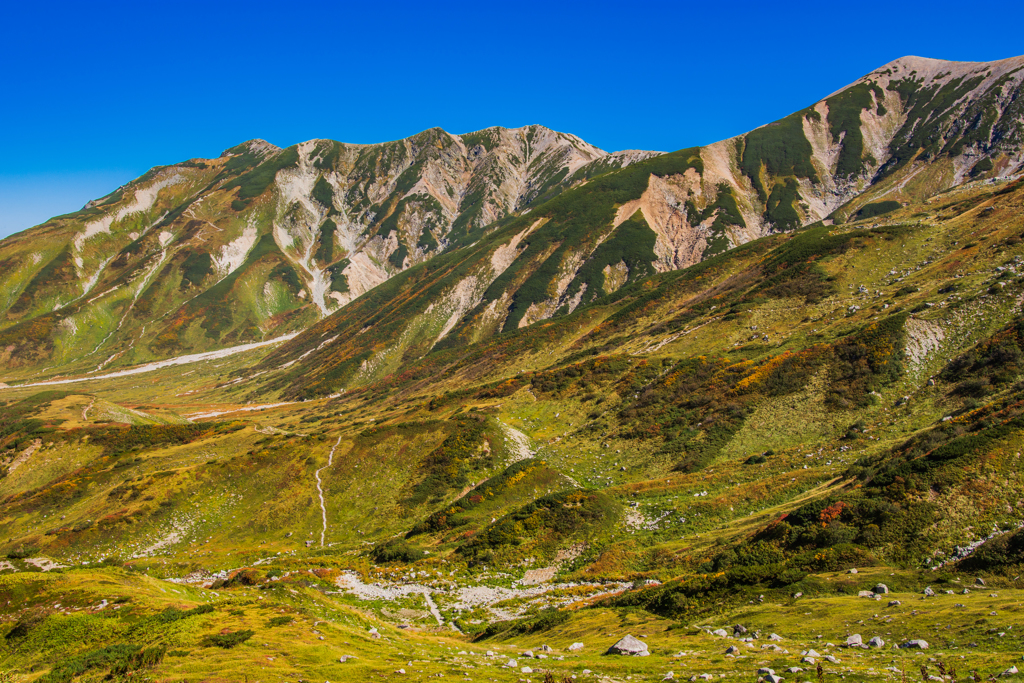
column 266, row 240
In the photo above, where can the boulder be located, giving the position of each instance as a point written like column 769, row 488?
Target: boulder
column 732, row 650
column 865, row 594
column 545, row 648
column 928, row 591
column 808, row 660
column 764, row 671
column 1012, row 671
column 854, row 641
column 628, row 645
column 895, row 603
column 979, row 581
column 720, row 632
column 915, row 644
column 774, row 636
column 575, row 647
column 670, row 676
column 739, row 630
column 794, row 669
column 526, row 670
column 812, row 653
column 876, row 642
column 852, row 571
column 511, row 664
column 772, row 678
column 881, row 589
column 831, row 658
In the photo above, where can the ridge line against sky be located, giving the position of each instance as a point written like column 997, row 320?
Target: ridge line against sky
column 97, row 94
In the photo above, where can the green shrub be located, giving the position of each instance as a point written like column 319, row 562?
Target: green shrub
column 545, row 621
column 781, row 149
column 395, row 550
column 876, row 209
column 228, row 640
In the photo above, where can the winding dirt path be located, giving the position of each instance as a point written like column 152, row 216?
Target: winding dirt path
column 320, row 489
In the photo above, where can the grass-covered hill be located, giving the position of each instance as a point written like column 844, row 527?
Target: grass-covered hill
column 706, row 447
column 559, row 427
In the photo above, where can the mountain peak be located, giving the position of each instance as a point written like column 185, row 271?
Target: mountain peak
column 254, row 146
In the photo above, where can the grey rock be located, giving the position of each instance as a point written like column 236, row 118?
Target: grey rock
column 852, row 571
column 979, row 581
column 511, row 664
column 575, row 647
column 772, row 678
column 812, row 653
column 774, row 636
column 733, row 650
column 915, row 644
column 876, row 642
column 808, row 660
column 545, row 648
column 1012, row 671
column 928, row 591
column 854, row 641
column 895, row 603
column 526, row 670
column 831, row 658
column 739, row 630
column 628, row 645
column 720, row 632
column 765, row 670
column 881, row 589
column 794, row 669
column 865, row 594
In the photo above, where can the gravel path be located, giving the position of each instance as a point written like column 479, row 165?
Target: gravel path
column 150, row 367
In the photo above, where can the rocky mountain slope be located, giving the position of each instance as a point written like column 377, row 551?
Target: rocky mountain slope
column 262, row 241
column 531, row 223
column 914, row 128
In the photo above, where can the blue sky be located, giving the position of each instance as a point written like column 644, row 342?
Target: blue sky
column 94, row 94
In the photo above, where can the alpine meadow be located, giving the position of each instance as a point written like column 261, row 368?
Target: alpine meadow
column 504, row 406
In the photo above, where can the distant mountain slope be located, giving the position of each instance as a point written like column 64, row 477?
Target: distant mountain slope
column 262, row 240
column 488, row 232
column 903, row 133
